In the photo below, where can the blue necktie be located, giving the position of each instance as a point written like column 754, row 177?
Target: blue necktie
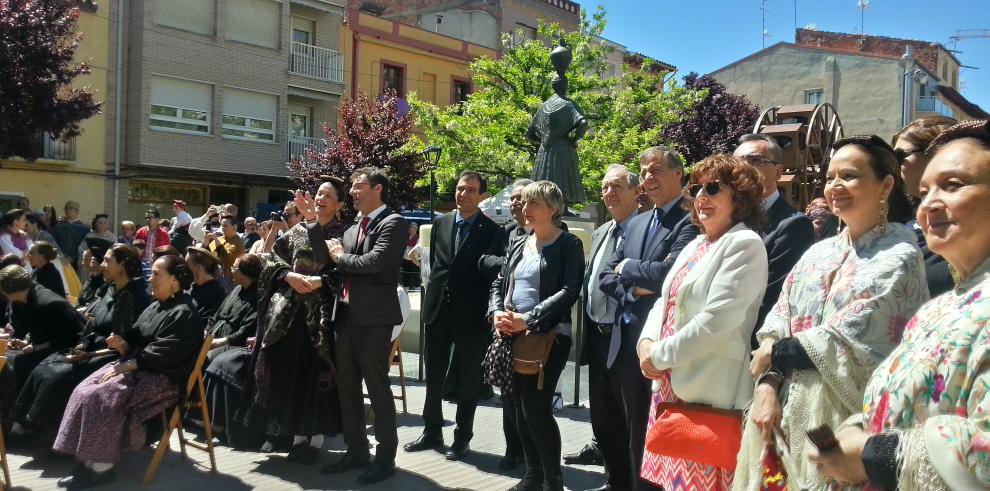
column 654, row 226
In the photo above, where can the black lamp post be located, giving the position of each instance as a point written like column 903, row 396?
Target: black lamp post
column 431, row 153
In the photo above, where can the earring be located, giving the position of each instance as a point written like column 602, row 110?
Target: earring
column 882, row 214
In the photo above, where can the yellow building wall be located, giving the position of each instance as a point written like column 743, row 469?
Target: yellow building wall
column 54, row 182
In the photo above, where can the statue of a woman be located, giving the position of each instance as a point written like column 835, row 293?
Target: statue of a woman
column 557, row 127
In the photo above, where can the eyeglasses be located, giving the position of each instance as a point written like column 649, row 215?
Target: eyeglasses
column 711, row 188
column 902, row 154
column 758, row 160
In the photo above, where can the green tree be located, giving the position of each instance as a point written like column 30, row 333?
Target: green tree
column 487, row 132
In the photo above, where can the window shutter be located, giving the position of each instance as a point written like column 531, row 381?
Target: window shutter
column 254, row 105
column 189, row 15
column 180, row 93
column 253, row 21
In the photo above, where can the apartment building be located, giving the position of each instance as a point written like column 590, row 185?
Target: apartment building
column 215, row 97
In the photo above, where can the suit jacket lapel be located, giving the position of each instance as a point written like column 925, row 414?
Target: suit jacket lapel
column 476, row 231
column 371, row 226
column 667, row 222
column 597, row 239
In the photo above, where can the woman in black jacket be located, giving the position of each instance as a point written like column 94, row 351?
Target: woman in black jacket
column 41, row 257
column 43, row 397
column 534, row 292
column 207, row 292
column 106, row 413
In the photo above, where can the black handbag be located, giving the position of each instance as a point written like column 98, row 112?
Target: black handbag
column 497, row 364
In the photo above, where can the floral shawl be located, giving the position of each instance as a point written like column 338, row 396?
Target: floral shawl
column 847, row 304
column 934, row 389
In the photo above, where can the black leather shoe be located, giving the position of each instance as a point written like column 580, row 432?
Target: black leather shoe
column 510, row 462
column 424, row 442
column 296, row 452
column 458, row 450
column 589, row 455
column 531, row 481
column 85, row 478
column 348, row 462
column 379, row 471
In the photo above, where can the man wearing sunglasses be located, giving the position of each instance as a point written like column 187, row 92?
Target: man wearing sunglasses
column 651, row 242
column 789, row 233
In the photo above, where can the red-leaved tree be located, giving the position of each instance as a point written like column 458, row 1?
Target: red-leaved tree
column 371, row 133
column 715, row 124
column 37, row 44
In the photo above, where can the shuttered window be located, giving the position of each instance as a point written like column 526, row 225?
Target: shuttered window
column 189, row 15
column 180, row 105
column 253, row 21
column 249, row 115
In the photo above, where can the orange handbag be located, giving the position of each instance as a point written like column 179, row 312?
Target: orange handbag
column 697, row 433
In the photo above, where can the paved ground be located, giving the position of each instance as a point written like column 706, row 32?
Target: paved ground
column 31, row 468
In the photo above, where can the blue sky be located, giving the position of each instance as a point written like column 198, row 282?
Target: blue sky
column 704, row 35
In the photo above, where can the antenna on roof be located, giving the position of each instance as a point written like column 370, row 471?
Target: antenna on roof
column 863, row 6
column 765, row 10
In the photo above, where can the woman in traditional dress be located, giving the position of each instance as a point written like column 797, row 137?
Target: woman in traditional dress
column 42, row 256
column 106, row 413
column 924, row 420
column 534, row 292
column 695, row 342
column 233, row 327
column 207, row 292
column 100, row 229
column 557, row 127
column 841, row 311
column 44, row 395
column 13, row 238
column 293, row 391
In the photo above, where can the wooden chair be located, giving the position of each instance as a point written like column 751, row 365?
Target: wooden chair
column 194, row 387
column 3, row 447
column 395, row 358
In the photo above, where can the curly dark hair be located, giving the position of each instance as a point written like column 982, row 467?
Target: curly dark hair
column 129, row 258
column 45, row 250
column 177, row 267
column 742, row 179
column 250, row 265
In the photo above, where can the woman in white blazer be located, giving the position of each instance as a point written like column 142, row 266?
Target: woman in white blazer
column 695, row 344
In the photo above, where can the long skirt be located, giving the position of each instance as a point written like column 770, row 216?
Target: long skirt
column 102, row 421
column 675, row 474
column 224, row 381
column 48, row 388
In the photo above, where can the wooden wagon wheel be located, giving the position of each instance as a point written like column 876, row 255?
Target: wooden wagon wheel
column 823, row 127
column 767, row 118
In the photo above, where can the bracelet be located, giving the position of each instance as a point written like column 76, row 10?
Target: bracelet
column 771, row 375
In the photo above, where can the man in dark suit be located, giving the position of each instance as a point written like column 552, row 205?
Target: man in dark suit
column 619, row 191
column 454, row 310
column 633, row 277
column 789, row 232
column 370, row 257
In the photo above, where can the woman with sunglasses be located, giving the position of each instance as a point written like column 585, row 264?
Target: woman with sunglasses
column 841, row 311
column 911, row 145
column 696, row 340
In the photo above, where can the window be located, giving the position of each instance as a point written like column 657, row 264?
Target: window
column 522, row 33
column 394, row 78
column 814, row 96
column 299, row 120
column 249, row 115
column 302, row 30
column 189, row 15
column 253, row 22
column 462, row 88
column 180, row 105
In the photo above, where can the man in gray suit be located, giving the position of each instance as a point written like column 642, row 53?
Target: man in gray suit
column 601, row 343
column 370, row 256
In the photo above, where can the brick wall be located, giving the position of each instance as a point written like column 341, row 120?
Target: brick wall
column 925, row 53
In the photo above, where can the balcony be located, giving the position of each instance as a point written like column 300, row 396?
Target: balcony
column 49, row 148
column 299, row 144
column 316, row 62
column 932, row 104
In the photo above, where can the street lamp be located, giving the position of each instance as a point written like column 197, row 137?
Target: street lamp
column 431, row 153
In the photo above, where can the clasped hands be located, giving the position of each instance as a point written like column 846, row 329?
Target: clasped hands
column 508, row 323
column 646, row 365
column 303, row 284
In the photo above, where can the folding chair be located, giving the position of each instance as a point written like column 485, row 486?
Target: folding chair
column 3, row 447
column 174, row 422
column 395, row 358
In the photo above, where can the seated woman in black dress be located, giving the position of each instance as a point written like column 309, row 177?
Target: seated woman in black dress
column 233, row 329
column 41, row 256
column 41, row 400
column 207, row 292
column 106, row 413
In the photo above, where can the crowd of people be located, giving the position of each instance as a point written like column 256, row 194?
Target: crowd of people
column 733, row 341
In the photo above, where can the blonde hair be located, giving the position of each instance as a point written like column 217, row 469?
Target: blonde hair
column 548, row 193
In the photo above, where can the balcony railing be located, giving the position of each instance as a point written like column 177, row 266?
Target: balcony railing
column 316, row 62
column 299, row 144
column 54, row 149
column 932, row 104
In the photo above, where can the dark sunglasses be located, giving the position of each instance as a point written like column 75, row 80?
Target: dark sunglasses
column 711, row 188
column 902, row 154
column 758, row 160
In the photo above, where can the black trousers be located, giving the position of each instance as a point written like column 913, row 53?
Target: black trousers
column 362, row 354
column 538, row 429
column 469, row 339
column 513, row 446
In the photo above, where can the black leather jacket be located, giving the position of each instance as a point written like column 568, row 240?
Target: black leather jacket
column 561, row 272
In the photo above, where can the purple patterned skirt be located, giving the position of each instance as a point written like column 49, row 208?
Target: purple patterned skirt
column 102, row 421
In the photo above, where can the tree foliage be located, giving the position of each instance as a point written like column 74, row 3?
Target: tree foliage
column 369, row 132
column 37, row 44
column 715, row 123
column 487, row 133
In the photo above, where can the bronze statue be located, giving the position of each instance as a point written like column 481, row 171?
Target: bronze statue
column 557, row 126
